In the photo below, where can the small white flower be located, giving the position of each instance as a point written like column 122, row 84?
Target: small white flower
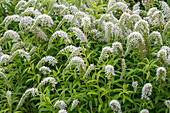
column 161, row 73
column 32, row 91
column 144, row 111
column 4, row 59
column 50, row 59
column 44, row 69
column 20, row 52
column 74, row 104
column 157, row 36
column 115, row 106
column 146, row 91
column 62, row 111
column 8, row 94
column 109, row 70
column 135, row 85
column 80, row 35
column 79, row 62
column 167, row 103
column 117, row 46
column 104, row 53
column 90, row 68
column 45, row 80
column 61, row 104
column 43, row 20
column 142, row 27
column 69, row 48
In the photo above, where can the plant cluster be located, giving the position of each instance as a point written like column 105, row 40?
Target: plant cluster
column 84, row 56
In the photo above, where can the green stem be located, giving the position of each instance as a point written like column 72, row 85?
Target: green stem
column 109, row 88
column 10, row 108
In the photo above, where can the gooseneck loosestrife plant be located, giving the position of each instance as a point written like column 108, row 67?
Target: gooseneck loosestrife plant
column 84, row 56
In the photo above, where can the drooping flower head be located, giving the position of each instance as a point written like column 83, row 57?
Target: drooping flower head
column 45, row 69
column 109, row 70
column 74, row 104
column 8, row 94
column 146, row 91
column 61, row 104
column 46, row 80
column 161, row 73
column 32, row 91
column 135, row 85
column 115, row 106
column 144, row 111
column 43, row 20
column 104, row 53
column 167, row 103
column 157, row 36
column 50, row 59
column 142, row 27
column 79, row 62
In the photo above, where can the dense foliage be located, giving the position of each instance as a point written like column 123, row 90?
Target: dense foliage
column 84, row 56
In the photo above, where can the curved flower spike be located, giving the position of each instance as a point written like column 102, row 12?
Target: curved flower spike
column 157, row 36
column 142, row 27
column 56, row 9
column 104, row 53
column 80, row 35
column 61, row 34
column 90, row 68
column 34, row 91
column 163, row 53
column 151, row 11
column 134, row 40
column 4, row 59
column 40, row 33
column 61, row 104
column 20, row 6
column 86, row 23
column 69, row 48
column 8, row 94
column 79, row 62
column 62, row 111
column 9, row 19
column 133, row 19
column 109, row 70
column 66, row 18
column 108, row 31
column 43, row 20
column 30, row 11
column 20, row 52
column 146, row 91
column 118, row 5
column 134, row 85
column 157, row 18
column 165, row 8
column 26, row 23
column 123, row 23
column 161, row 73
column 117, row 48
column 45, row 70
column 75, row 53
column 10, row 34
column 166, row 27
column 167, row 103
column 74, row 104
column 136, row 8
column 46, row 80
column 115, row 106
column 144, row 111
column 50, row 59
